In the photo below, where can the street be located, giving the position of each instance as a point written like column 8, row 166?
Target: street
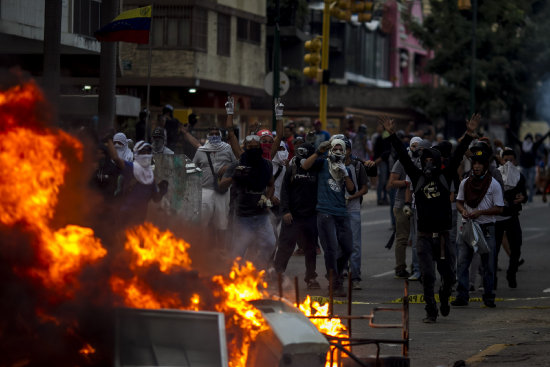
column 515, row 333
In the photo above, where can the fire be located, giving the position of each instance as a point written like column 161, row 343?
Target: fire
column 332, row 327
column 149, row 245
column 242, row 285
column 87, row 350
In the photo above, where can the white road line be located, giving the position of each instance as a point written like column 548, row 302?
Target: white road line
column 383, row 274
column 547, row 290
column 375, row 222
column 535, row 229
column 534, row 236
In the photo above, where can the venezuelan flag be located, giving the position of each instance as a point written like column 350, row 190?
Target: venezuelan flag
column 130, row 26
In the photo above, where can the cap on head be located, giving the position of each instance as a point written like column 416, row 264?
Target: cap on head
column 433, row 154
column 140, row 145
column 158, row 132
column 264, row 132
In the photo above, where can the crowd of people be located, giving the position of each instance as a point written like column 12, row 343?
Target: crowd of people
column 276, row 191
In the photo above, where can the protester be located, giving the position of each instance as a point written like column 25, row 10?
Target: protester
column 479, row 199
column 141, row 125
column 213, row 158
column 319, row 134
column 159, row 141
column 120, row 143
column 333, row 222
column 431, row 187
column 515, row 194
column 172, row 126
column 298, row 203
column 381, row 152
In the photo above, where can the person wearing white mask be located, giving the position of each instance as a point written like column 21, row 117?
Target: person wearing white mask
column 120, row 143
column 213, row 158
column 139, row 184
column 515, row 194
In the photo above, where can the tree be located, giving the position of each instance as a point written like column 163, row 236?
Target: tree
column 293, row 13
column 512, row 57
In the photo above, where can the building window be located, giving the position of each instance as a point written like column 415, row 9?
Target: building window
column 86, row 17
column 249, row 31
column 224, row 34
column 367, row 53
column 180, row 27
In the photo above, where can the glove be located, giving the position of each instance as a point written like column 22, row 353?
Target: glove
column 342, row 167
column 407, row 210
column 229, row 106
column 279, row 107
column 323, row 147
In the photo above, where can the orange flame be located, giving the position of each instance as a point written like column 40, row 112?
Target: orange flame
column 332, row 327
column 243, row 285
column 87, row 349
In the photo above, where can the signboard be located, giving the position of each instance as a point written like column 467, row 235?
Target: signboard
column 284, row 83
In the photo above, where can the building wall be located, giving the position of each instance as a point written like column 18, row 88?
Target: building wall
column 244, row 66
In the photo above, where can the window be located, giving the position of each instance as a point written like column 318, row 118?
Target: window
column 86, row 17
column 224, row 34
column 367, row 53
column 181, row 27
column 249, row 30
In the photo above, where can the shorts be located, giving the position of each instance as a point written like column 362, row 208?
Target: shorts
column 215, row 209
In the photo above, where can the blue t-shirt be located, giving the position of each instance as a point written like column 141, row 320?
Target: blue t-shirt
column 136, row 196
column 331, row 195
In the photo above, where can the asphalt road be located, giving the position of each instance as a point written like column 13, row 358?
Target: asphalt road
column 515, row 333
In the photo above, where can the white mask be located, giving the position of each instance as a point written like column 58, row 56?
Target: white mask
column 282, row 155
column 143, row 160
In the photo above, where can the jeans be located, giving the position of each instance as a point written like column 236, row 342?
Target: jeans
column 529, row 174
column 514, row 235
column 355, row 258
column 414, row 240
column 383, row 174
column 303, row 230
column 336, row 239
column 465, row 254
column 402, row 232
column 429, row 251
column 253, row 234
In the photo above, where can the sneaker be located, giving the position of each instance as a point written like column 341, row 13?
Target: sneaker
column 415, row 276
column 489, row 303
column 313, row 284
column 402, row 274
column 429, row 319
column 356, row 285
column 459, row 302
column 512, row 281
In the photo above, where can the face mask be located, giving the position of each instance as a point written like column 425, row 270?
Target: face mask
column 336, row 157
column 144, row 160
column 282, row 155
column 254, row 154
column 428, row 168
column 415, row 153
column 214, row 139
column 266, row 150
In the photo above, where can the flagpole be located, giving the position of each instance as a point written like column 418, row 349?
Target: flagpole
column 148, row 115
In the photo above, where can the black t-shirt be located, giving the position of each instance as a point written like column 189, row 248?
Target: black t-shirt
column 247, row 197
column 299, row 191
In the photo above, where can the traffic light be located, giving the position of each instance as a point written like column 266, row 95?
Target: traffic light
column 313, row 58
column 364, row 10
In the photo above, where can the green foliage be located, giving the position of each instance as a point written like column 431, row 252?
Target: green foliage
column 513, row 54
column 293, row 13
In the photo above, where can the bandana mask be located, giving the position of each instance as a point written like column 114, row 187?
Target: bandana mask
column 266, row 150
column 144, row 160
column 214, row 139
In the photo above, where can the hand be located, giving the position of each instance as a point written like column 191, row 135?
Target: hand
column 323, row 147
column 519, row 198
column 465, row 214
column 473, row 124
column 342, row 167
column 407, row 210
column 475, row 214
column 222, row 170
column 387, row 123
column 287, row 218
column 279, row 107
column 369, row 164
column 230, row 105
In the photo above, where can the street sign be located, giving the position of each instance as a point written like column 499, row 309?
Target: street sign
column 284, row 83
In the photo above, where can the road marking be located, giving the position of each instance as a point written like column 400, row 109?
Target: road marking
column 534, row 236
column 383, row 274
column 535, row 229
column 547, row 290
column 491, row 350
column 375, row 222
column 419, row 298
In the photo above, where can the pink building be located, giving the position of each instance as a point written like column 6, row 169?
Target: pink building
column 407, row 57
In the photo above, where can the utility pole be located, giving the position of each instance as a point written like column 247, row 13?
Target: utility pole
column 276, row 67
column 323, row 89
column 474, row 55
column 107, row 70
column 52, row 53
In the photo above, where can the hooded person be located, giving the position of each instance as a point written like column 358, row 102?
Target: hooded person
column 252, row 180
column 432, row 197
column 121, row 145
column 280, row 161
column 139, row 185
column 159, row 141
column 333, row 220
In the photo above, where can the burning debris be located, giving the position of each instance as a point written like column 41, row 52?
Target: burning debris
column 60, row 286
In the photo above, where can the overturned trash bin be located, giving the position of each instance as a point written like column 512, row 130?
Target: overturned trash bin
column 292, row 339
column 170, row 338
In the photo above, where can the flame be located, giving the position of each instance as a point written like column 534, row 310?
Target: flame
column 149, row 245
column 332, row 327
column 242, row 285
column 87, row 349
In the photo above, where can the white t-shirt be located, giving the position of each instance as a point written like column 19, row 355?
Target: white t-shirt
column 492, row 198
